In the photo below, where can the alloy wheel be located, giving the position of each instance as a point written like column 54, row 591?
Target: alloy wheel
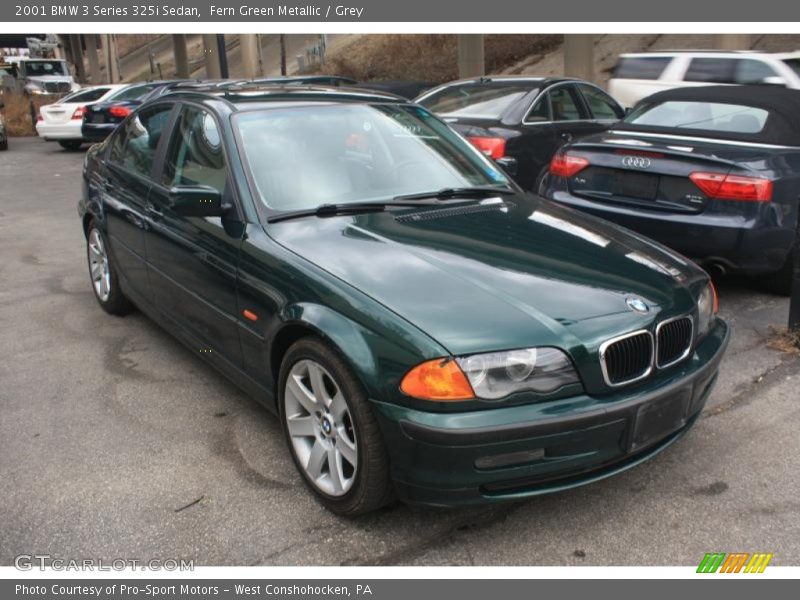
column 98, row 266
column 320, row 427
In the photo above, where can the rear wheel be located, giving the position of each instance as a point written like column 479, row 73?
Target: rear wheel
column 3, row 145
column 70, row 145
column 332, row 434
column 105, row 282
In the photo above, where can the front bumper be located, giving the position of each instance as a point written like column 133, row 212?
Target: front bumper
column 520, row 451
column 750, row 240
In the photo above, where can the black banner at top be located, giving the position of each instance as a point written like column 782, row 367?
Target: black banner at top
column 252, row 11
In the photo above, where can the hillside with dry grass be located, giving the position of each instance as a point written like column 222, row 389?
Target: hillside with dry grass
column 427, row 57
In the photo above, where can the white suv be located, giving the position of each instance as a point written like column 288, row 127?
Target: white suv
column 639, row 75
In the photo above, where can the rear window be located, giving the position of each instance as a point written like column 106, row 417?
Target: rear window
column 708, row 116
column 133, row 92
column 92, row 95
column 794, row 65
column 485, row 101
column 641, row 67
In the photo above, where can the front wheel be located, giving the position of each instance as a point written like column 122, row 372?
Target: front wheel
column 331, row 431
column 70, row 145
column 105, row 282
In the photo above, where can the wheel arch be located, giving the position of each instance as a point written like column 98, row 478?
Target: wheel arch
column 345, row 336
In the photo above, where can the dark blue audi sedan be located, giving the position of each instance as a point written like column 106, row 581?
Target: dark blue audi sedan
column 713, row 172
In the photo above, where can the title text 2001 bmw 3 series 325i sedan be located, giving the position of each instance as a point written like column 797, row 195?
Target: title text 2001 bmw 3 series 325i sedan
column 422, row 328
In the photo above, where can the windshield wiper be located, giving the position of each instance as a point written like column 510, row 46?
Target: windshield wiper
column 480, row 191
column 347, row 208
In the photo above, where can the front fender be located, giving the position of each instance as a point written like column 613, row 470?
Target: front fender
column 378, row 358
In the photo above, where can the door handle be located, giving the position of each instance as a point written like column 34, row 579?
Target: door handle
column 154, row 211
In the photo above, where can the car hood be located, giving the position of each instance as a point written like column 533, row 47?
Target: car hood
column 497, row 274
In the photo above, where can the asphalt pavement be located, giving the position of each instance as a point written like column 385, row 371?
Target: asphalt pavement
column 117, row 442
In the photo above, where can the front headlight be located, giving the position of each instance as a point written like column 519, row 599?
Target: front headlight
column 490, row 376
column 500, row 374
column 707, row 307
column 34, row 88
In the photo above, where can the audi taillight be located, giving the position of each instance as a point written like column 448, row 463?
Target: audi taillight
column 39, row 118
column 493, row 147
column 79, row 112
column 567, row 165
column 722, row 186
column 119, row 111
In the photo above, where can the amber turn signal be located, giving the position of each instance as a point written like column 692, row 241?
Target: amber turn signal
column 440, row 379
column 715, row 299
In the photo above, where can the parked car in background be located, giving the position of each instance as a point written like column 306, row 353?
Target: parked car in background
column 521, row 122
column 3, row 130
column 43, row 76
column 420, row 325
column 638, row 75
column 712, row 172
column 61, row 121
column 101, row 118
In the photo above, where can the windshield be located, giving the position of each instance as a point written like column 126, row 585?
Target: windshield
column 40, row 68
column 708, row 116
column 794, row 65
column 484, row 101
column 302, row 157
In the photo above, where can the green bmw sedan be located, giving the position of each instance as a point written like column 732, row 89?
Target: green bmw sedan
column 423, row 329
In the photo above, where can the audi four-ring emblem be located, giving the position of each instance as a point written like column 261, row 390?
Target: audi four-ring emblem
column 638, row 162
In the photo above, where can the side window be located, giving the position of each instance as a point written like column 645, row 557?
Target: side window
column 564, row 104
column 142, row 133
column 118, row 145
column 749, row 70
column 600, row 103
column 195, row 155
column 711, row 70
column 641, row 67
column 540, row 112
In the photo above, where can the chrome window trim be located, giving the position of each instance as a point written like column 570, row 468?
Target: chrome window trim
column 688, row 348
column 575, row 82
column 604, row 346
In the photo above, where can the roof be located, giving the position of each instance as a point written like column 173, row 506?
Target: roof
column 507, row 79
column 276, row 92
column 711, row 52
column 782, row 126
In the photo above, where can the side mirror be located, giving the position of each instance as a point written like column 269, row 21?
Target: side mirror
column 774, row 80
column 508, row 164
column 197, row 201
column 628, row 110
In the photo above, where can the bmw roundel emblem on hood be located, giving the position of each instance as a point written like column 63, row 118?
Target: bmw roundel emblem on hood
column 636, row 304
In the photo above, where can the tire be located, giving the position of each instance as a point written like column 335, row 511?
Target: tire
column 779, row 282
column 70, row 145
column 103, row 275
column 362, row 488
column 3, row 145
column 537, row 187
